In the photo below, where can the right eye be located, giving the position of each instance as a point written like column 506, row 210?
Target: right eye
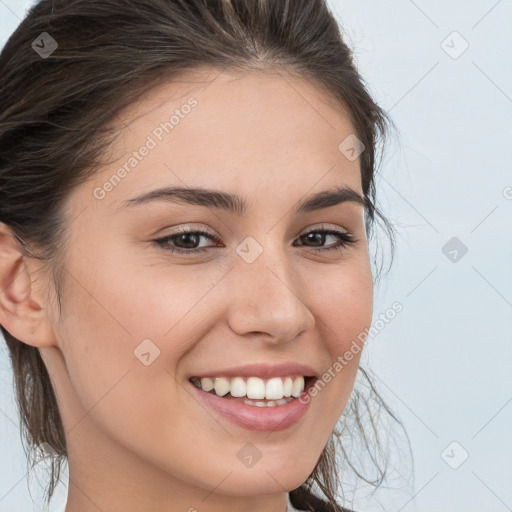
column 188, row 238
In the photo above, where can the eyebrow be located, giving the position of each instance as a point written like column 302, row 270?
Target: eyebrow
column 233, row 203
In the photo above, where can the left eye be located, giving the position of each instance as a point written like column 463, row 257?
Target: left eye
column 189, row 239
column 318, row 235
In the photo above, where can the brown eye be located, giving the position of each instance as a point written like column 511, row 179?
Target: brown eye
column 318, row 236
column 184, row 241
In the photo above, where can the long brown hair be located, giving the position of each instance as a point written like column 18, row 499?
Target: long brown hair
column 55, row 114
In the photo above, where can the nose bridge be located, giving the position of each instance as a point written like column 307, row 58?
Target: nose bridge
column 267, row 294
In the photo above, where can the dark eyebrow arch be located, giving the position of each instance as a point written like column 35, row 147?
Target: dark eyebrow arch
column 235, row 204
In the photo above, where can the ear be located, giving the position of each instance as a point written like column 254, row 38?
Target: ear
column 23, row 308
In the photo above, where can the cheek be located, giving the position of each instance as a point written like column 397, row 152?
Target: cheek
column 126, row 307
column 122, row 385
column 343, row 302
column 126, row 320
column 119, row 328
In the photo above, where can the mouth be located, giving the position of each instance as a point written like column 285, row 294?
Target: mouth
column 257, row 396
column 256, row 391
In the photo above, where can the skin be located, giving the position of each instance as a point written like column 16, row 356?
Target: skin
column 137, row 440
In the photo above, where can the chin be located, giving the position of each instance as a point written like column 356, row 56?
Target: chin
column 264, row 479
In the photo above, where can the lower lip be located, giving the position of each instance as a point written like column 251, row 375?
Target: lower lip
column 252, row 417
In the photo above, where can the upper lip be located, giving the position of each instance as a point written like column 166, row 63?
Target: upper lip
column 261, row 370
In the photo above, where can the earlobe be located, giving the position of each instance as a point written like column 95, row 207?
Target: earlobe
column 21, row 312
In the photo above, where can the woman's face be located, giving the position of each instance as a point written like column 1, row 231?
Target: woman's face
column 138, row 320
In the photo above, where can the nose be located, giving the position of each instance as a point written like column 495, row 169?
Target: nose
column 268, row 299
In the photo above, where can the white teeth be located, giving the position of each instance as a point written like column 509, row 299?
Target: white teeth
column 221, row 386
column 287, row 387
column 269, row 403
column 298, row 386
column 238, row 387
column 275, row 388
column 206, row 384
column 255, row 388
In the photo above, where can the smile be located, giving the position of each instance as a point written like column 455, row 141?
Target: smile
column 270, row 392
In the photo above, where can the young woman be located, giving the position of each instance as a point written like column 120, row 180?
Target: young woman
column 186, row 199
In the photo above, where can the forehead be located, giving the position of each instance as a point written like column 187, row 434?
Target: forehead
column 253, row 130
column 242, row 90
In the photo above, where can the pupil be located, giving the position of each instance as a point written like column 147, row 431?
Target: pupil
column 317, row 236
column 192, row 236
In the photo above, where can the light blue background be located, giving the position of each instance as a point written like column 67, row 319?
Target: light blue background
column 444, row 362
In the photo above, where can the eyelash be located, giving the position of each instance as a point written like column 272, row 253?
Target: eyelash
column 346, row 239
